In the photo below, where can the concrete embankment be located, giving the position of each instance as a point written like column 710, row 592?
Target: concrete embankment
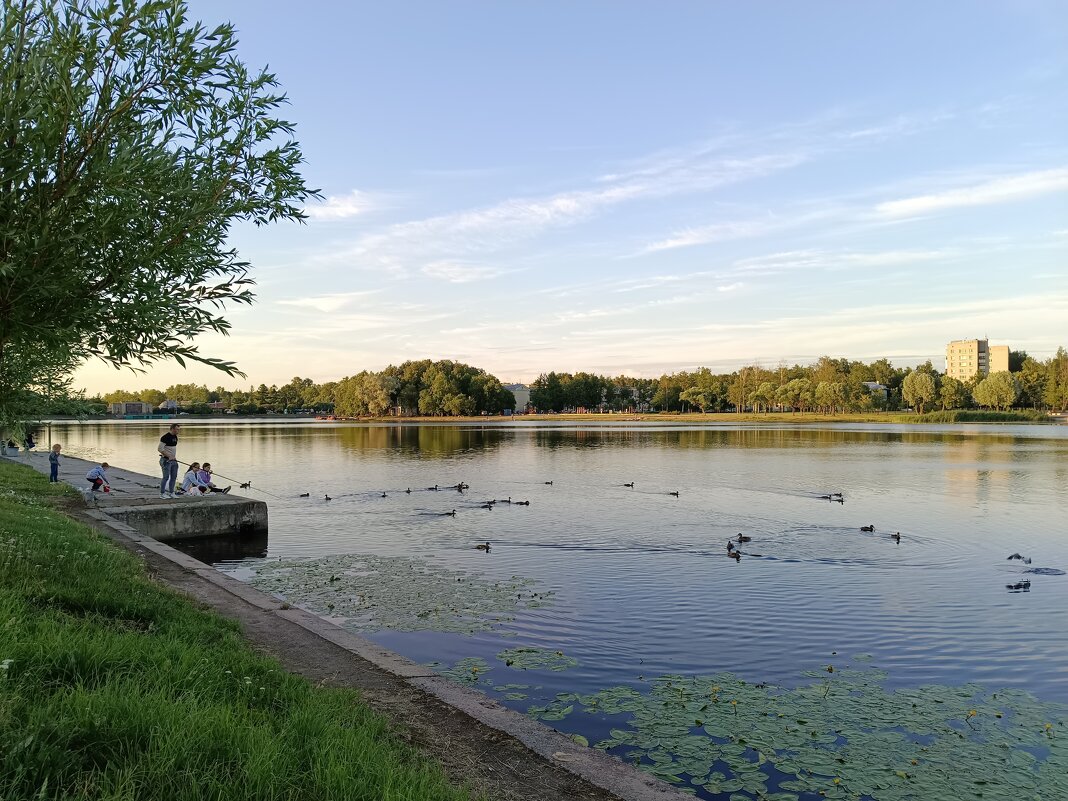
column 135, row 500
column 498, row 752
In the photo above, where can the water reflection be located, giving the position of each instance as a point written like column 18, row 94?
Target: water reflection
column 924, row 608
column 219, row 550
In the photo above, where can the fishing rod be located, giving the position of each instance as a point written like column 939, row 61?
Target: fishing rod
column 242, row 484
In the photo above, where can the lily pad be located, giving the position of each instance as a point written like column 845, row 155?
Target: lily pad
column 841, row 735
column 372, row 593
column 536, row 659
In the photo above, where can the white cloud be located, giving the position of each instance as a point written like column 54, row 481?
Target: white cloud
column 491, row 228
column 327, row 303
column 341, row 207
column 459, row 273
column 998, row 190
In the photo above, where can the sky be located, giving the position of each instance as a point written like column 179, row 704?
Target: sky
column 648, row 187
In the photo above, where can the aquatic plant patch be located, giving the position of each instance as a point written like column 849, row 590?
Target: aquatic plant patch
column 372, row 593
column 840, row 735
column 536, row 659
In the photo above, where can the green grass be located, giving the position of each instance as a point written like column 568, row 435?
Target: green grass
column 112, row 687
column 980, row 416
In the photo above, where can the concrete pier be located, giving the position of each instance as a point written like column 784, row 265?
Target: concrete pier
column 134, row 500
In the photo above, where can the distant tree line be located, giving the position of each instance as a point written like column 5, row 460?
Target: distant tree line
column 436, row 388
column 828, row 386
column 414, row 388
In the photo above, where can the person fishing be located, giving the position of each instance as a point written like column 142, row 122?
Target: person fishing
column 204, row 474
column 168, row 461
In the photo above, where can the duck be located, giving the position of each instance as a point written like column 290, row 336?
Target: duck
column 836, row 495
column 327, row 498
column 246, row 485
column 730, row 546
column 735, row 555
column 486, row 506
column 631, row 485
column 408, row 491
column 675, row 493
column 449, row 514
column 1025, row 559
column 434, row 488
column 548, row 483
column 743, row 538
column 867, row 528
column 481, row 547
column 304, row 494
column 896, row 537
column 522, row 503
column 383, row 495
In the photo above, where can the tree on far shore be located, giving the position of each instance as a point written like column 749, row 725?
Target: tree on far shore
column 918, row 389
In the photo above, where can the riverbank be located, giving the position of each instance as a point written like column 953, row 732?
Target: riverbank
column 116, row 687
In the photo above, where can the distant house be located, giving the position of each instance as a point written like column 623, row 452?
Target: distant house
column 169, row 406
column 130, row 408
column 876, row 389
column 522, row 395
column 217, row 406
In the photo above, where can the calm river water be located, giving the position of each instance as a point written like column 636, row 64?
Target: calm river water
column 643, row 585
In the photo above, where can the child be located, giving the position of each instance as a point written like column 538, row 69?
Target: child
column 191, row 483
column 53, row 464
column 205, row 478
column 99, row 478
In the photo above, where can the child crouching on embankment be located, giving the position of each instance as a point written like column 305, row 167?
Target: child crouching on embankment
column 98, row 477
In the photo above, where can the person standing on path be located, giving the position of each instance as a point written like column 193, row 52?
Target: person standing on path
column 168, row 461
column 53, row 463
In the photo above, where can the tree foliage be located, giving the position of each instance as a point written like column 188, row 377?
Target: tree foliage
column 133, row 139
column 439, row 388
column 918, row 389
column 998, row 390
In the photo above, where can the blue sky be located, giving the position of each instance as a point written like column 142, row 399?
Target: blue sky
column 645, row 187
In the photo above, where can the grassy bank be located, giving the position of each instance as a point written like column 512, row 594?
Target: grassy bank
column 980, row 416
column 114, row 688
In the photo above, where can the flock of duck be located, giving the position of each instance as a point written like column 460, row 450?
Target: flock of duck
column 732, row 551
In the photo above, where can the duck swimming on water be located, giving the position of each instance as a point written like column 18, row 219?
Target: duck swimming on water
column 485, row 547
column 743, row 538
column 896, row 537
column 631, row 485
column 304, row 494
column 675, row 493
column 327, row 498
column 867, row 528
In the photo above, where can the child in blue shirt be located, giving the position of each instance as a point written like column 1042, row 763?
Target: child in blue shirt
column 53, row 463
column 99, row 478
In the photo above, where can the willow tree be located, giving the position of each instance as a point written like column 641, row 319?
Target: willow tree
column 133, row 139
